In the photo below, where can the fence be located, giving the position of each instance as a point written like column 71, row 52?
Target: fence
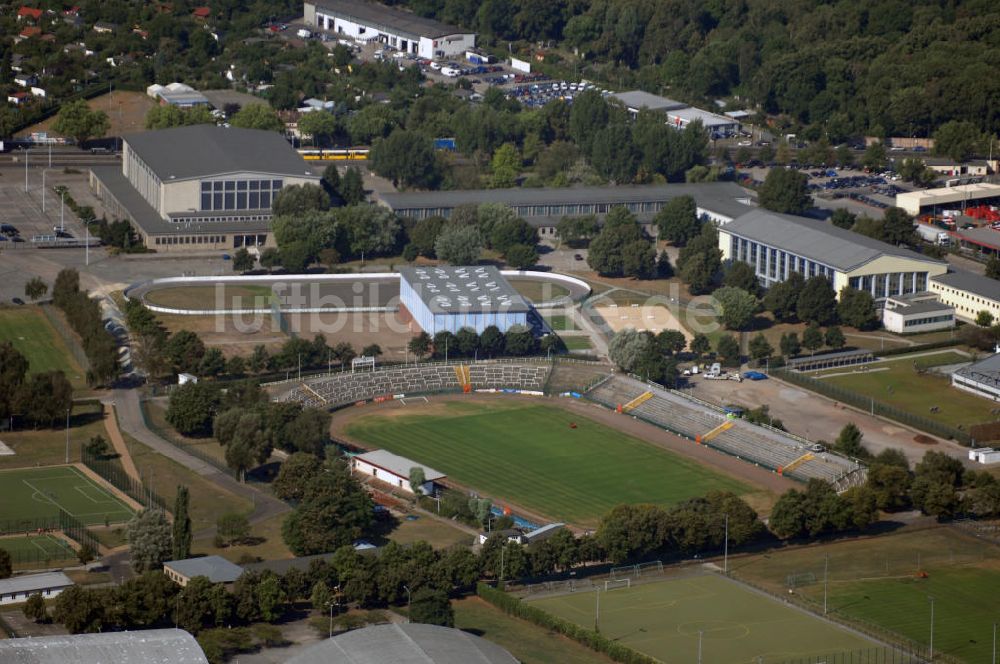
column 75, row 530
column 869, row 404
column 877, row 655
column 18, row 526
column 122, row 481
column 170, row 437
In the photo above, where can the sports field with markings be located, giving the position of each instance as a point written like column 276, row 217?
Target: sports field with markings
column 37, row 493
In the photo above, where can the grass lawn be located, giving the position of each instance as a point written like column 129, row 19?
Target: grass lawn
column 211, row 297
column 32, row 334
column 538, row 291
column 267, row 543
column 878, row 581
column 46, row 447
column 560, row 322
column 529, row 643
column 36, row 550
column 577, row 343
column 529, row 455
column 34, row 493
column 663, row 619
column 436, row 533
column 898, row 383
column 208, row 501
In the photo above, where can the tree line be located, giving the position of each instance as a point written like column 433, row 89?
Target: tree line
column 39, row 399
column 84, row 315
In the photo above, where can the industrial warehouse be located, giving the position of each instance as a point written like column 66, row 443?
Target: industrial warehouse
column 720, row 202
column 403, row 31
column 200, row 187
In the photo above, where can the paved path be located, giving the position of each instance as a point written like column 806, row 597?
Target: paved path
column 111, row 424
column 131, row 422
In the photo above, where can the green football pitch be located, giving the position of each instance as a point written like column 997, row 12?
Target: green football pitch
column 36, row 493
column 32, row 334
column 36, row 548
column 737, row 625
column 531, row 456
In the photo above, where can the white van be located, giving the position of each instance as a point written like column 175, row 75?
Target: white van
column 304, row 34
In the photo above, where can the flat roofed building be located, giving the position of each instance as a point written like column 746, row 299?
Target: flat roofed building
column 200, row 187
column 451, row 297
column 935, row 200
column 19, row 588
column 968, row 293
column 395, row 470
column 215, row 568
column 407, row 643
column 981, row 378
column 639, row 100
column 776, row 245
column 917, row 312
column 150, row 646
column 404, row 31
column 543, row 208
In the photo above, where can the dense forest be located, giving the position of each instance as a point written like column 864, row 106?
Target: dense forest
column 844, row 67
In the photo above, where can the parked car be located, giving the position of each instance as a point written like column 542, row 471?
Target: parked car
column 17, row 300
column 754, row 375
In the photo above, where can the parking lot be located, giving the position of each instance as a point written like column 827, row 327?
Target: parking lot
column 21, row 213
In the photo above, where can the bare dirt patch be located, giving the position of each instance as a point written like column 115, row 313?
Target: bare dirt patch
column 654, row 318
column 225, row 332
column 126, row 112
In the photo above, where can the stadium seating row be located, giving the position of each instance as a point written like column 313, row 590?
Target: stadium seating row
column 677, row 413
column 346, row 388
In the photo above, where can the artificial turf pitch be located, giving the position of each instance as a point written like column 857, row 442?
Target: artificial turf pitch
column 36, row 493
column 737, row 625
column 25, row 550
column 530, row 455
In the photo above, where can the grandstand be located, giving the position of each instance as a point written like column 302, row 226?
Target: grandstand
column 707, row 425
column 345, row 388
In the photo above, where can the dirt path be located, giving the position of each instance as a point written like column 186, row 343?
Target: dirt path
column 759, row 478
column 111, row 424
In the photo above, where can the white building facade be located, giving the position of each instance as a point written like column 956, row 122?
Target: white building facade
column 394, row 470
column 366, row 22
column 918, row 312
column 450, row 298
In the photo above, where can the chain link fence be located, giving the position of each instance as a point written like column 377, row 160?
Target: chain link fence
column 169, row 436
column 124, row 482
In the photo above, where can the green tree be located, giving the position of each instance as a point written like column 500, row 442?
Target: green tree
column 700, row 260
column 459, row 245
column 431, row 606
column 728, row 348
column 522, row 256
column 857, row 309
column 678, row 222
column 737, row 307
column 34, row 609
column 785, row 190
column 6, row 566
column 812, row 338
column 701, row 344
column 185, row 350
column 984, row 318
column 621, row 245
column 782, row 298
column 181, row 536
column 320, row 125
column 834, row 337
column 993, row 267
column 149, row 539
column 257, row 116
column 417, row 479
column 741, row 275
column 77, row 121
column 270, row 258
column 875, row 157
column 897, row 227
column 297, row 200
column 243, row 260
column 958, row 140
column 759, row 347
column 670, row 342
column 213, row 362
column 420, row 345
column 817, row 302
column 843, row 218
column 506, row 166
column 790, row 345
column 407, row 158
column 167, row 116
column 352, row 188
column 577, row 230
column 849, row 442
column 192, row 407
column 233, row 527
column 35, row 288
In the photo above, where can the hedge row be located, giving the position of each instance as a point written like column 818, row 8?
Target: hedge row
column 905, row 350
column 594, row 640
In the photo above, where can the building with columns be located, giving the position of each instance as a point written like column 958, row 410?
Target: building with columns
column 776, row 245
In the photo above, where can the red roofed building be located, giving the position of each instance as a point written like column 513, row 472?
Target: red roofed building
column 202, row 12
column 30, row 31
column 29, row 12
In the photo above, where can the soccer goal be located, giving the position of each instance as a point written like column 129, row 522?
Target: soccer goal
column 612, row 584
column 801, row 579
column 648, row 568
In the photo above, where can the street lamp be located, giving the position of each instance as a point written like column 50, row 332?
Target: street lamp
column 68, row 409
column 44, row 171
column 407, row 589
column 931, row 653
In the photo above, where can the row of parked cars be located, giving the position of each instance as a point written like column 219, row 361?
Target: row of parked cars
column 118, row 331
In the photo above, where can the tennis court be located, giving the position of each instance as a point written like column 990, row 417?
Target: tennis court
column 31, row 494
